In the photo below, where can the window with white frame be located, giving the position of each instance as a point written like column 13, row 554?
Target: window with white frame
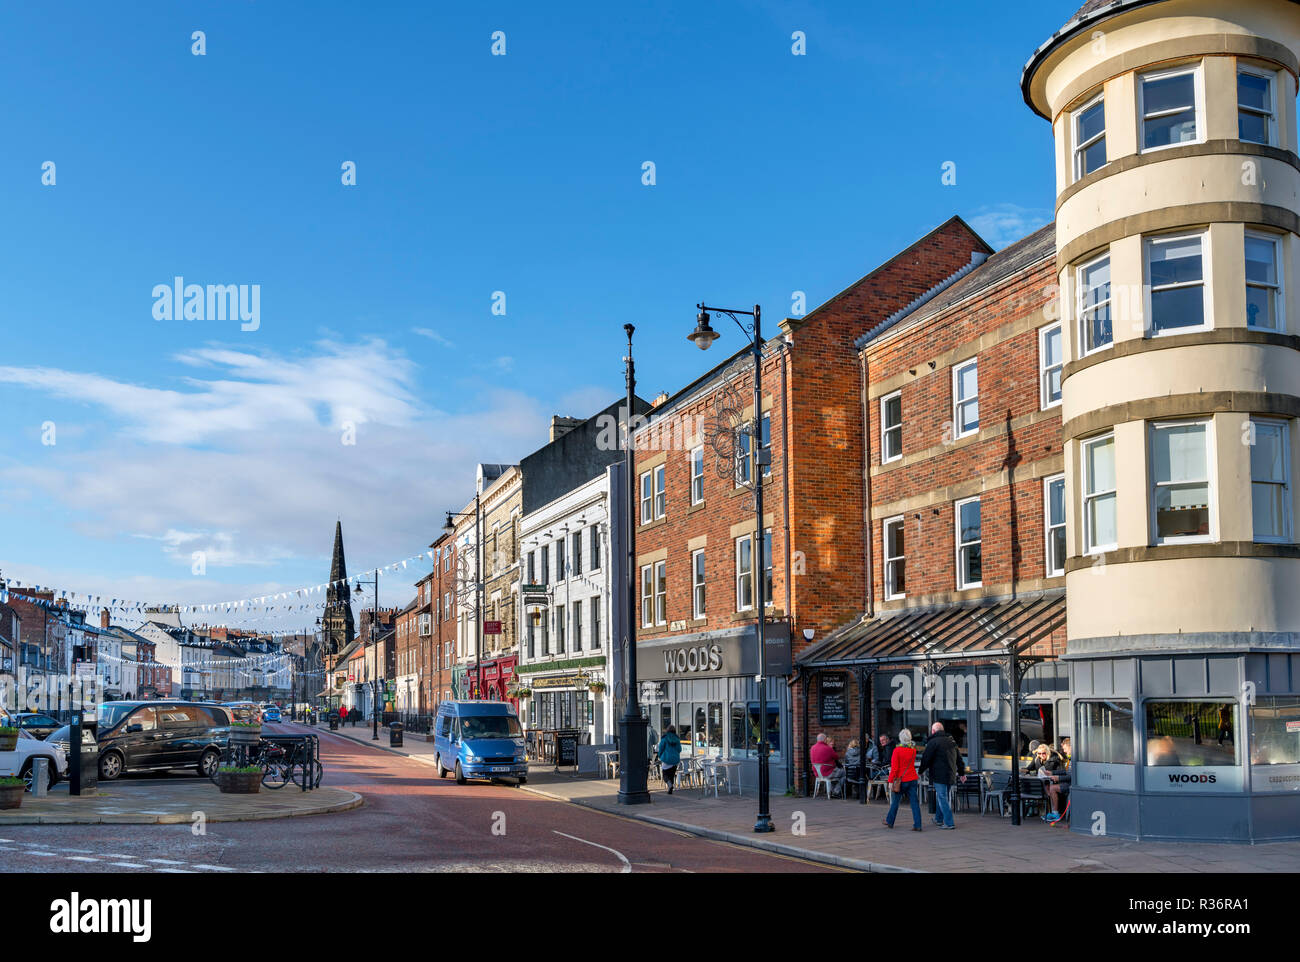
column 577, row 552
column 970, row 560
column 698, row 609
column 745, row 573
column 1180, row 481
column 1099, row 522
column 697, row 475
column 647, row 596
column 546, row 564
column 1054, row 523
column 561, row 573
column 661, row 495
column 1170, row 107
column 1270, row 480
column 1263, row 282
column 661, row 593
column 895, row 560
column 1051, row 361
column 1176, row 281
column 647, row 497
column 891, row 427
column 965, row 398
column 577, row 626
column 595, row 547
column 1094, row 305
column 765, row 444
column 1090, row 137
column 1256, row 122
column 744, row 463
column 595, row 622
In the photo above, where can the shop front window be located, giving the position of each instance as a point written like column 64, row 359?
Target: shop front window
column 1275, row 743
column 686, row 727
column 1037, row 724
column 1182, row 734
column 745, row 729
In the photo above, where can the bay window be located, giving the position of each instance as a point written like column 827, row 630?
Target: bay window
column 1176, row 279
column 1263, row 285
column 1170, row 107
column 1094, row 305
column 1270, row 481
column 1180, row 482
column 1090, row 137
column 1255, row 109
column 1099, row 500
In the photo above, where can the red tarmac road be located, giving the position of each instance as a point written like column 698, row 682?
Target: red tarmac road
column 412, row 822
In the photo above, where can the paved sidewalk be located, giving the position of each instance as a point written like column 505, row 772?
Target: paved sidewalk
column 850, row 835
column 130, row 802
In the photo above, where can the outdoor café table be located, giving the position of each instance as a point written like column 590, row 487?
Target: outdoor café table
column 729, row 764
column 607, row 758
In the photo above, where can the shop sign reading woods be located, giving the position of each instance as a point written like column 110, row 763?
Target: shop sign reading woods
column 681, row 661
column 716, row 654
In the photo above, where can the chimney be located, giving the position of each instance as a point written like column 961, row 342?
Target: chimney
column 560, row 426
column 660, row 398
column 103, row 619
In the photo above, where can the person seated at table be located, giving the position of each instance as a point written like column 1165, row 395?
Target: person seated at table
column 1045, row 760
column 853, row 761
column 887, row 746
column 823, row 757
column 873, row 753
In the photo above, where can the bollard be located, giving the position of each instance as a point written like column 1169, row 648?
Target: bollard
column 40, row 777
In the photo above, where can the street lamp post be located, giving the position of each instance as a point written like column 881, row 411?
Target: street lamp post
column 450, row 528
column 634, row 771
column 374, row 642
column 703, row 336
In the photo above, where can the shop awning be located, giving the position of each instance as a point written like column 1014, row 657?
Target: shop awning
column 976, row 630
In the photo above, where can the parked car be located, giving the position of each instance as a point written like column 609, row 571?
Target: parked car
column 479, row 739
column 246, row 712
column 159, row 735
column 21, row 761
column 271, row 713
column 36, row 724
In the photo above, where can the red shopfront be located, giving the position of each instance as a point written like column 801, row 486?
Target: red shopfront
column 498, row 678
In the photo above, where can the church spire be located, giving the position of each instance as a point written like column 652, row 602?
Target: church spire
column 338, row 567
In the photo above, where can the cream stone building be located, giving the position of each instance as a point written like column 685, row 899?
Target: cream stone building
column 1178, row 186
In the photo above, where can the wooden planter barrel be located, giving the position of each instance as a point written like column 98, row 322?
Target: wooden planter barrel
column 11, row 796
column 239, row 783
column 245, row 736
column 8, row 742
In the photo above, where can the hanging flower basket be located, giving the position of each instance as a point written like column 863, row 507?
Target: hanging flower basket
column 8, row 739
column 519, row 692
column 11, row 792
column 596, row 687
column 240, row 781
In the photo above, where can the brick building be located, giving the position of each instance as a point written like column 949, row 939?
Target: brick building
column 443, row 597
column 697, row 530
column 964, row 463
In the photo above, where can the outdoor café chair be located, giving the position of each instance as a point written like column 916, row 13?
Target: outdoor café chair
column 715, row 776
column 992, row 794
column 823, row 771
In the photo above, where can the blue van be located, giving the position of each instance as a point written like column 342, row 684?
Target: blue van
column 479, row 739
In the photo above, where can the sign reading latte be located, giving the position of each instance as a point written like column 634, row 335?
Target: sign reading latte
column 683, row 661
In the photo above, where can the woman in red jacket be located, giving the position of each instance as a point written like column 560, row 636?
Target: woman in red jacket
column 903, row 781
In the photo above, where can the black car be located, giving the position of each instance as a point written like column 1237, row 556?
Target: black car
column 158, row 735
column 36, row 725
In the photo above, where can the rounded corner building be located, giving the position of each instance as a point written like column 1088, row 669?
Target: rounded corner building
column 1178, row 255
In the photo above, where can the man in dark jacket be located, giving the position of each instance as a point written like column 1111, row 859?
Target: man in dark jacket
column 887, row 746
column 942, row 759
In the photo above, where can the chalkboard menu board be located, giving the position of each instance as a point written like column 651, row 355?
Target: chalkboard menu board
column 834, row 704
column 566, row 750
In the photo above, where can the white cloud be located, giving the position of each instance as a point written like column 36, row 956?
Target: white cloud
column 246, row 461
column 432, row 335
column 1003, row 224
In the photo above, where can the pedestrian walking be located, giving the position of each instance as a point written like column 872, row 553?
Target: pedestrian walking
column 903, row 781
column 942, row 759
column 670, row 753
column 343, row 715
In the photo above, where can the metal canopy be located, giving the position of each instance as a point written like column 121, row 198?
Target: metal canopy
column 979, row 630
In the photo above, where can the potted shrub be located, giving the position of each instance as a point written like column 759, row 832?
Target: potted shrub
column 245, row 733
column 8, row 738
column 239, row 780
column 11, row 792
column 596, row 687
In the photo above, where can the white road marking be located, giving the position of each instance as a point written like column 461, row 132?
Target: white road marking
column 127, row 864
column 214, row 868
column 81, row 858
column 50, row 854
column 164, row 861
column 176, row 871
column 627, row 866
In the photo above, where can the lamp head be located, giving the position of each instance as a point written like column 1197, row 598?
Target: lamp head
column 703, row 335
column 449, row 527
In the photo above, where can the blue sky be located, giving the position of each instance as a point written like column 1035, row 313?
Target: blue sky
column 476, row 173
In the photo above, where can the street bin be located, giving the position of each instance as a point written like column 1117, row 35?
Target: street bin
column 334, row 721
column 395, row 734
